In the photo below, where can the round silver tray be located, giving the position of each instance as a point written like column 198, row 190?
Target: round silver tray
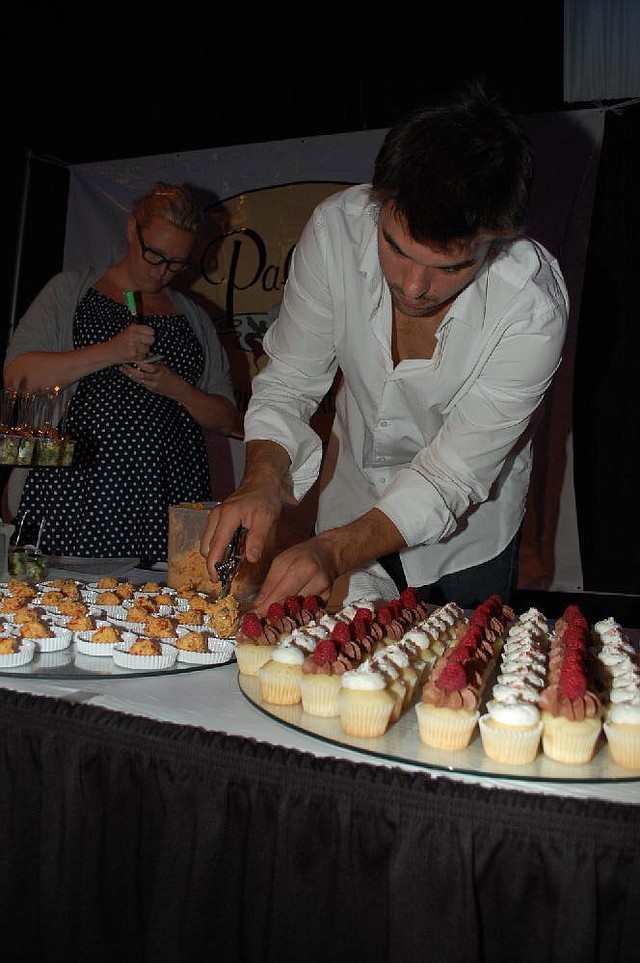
column 401, row 743
column 70, row 664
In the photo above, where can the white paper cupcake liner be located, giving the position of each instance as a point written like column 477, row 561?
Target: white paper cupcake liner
column 113, row 611
column 219, row 651
column 183, row 627
column 124, row 626
column 165, row 661
column 85, row 646
column 61, row 639
column 25, row 654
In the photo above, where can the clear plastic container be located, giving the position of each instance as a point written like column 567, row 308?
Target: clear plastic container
column 186, row 568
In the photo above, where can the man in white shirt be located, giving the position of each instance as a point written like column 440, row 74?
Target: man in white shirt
column 446, row 325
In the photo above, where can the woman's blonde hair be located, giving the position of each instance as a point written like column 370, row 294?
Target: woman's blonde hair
column 170, row 202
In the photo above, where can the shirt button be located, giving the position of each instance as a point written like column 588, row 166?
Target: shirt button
column 383, row 424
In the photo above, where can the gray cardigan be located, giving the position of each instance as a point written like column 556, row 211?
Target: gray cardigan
column 47, row 325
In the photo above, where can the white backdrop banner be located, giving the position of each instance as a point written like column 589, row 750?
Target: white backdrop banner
column 256, row 199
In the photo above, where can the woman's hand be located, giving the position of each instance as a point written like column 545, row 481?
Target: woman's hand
column 154, row 376
column 132, row 344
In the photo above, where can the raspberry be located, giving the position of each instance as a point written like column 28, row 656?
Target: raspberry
column 384, row 615
column 452, row 678
column 408, row 598
column 572, row 683
column 292, row 605
column 362, row 617
column 251, row 625
column 276, row 611
column 311, row 604
column 341, row 632
column 325, row 651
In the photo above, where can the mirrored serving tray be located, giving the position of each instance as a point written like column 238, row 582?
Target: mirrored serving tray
column 401, row 743
column 70, row 664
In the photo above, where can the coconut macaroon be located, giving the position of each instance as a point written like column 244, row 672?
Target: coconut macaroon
column 145, row 646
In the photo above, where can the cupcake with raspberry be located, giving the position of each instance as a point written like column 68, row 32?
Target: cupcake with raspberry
column 348, row 644
column 449, row 710
column 255, row 643
column 570, row 707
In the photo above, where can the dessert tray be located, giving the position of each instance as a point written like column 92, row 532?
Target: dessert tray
column 401, row 743
column 72, row 655
column 72, row 663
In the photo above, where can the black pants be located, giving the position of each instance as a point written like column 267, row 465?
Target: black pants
column 469, row 587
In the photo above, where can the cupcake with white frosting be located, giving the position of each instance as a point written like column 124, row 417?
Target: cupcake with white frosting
column 365, row 701
column 622, row 709
column 511, row 728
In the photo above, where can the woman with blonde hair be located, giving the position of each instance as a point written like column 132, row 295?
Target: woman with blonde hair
column 147, row 377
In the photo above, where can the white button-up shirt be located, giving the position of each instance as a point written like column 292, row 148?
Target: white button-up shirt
column 441, row 445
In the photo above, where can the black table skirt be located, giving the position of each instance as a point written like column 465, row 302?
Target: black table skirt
column 124, row 839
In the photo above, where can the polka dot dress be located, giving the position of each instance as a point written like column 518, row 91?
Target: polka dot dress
column 136, row 452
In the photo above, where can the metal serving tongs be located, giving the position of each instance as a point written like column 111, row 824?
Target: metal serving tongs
column 233, row 555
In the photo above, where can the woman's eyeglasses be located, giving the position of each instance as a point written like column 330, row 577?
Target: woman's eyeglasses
column 151, row 256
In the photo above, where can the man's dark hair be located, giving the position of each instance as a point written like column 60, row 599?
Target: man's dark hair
column 456, row 170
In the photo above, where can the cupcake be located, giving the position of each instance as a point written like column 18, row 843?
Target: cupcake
column 338, row 650
column 279, row 678
column 365, row 702
column 193, row 618
column 99, row 641
column 107, row 582
column 621, row 668
column 106, row 635
column 571, row 711
column 27, row 613
column 150, row 587
column 448, row 713
column 319, row 682
column 511, row 728
column 256, row 638
column 109, row 599
column 72, row 607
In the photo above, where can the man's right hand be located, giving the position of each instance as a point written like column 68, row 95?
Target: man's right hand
column 257, row 510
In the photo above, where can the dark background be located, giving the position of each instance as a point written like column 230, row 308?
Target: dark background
column 136, row 83
column 118, row 83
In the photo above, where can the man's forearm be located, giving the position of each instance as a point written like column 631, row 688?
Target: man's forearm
column 267, row 466
column 362, row 540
